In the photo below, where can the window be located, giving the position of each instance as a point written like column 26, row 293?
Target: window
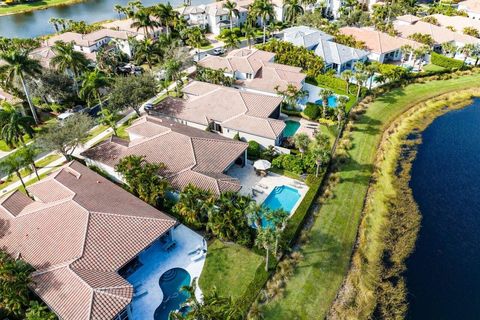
column 123, row 315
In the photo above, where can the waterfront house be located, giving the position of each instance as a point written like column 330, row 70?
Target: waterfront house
column 255, row 71
column 471, row 7
column 82, row 234
column 191, row 155
column 336, row 56
column 382, row 47
column 138, row 33
column 229, row 112
column 458, row 23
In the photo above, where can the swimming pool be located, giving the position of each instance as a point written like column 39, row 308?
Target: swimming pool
column 332, row 101
column 171, row 283
column 282, row 197
column 291, row 128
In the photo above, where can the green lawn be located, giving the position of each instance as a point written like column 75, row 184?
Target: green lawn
column 40, row 164
column 311, row 291
column 230, row 268
column 433, row 67
column 37, row 5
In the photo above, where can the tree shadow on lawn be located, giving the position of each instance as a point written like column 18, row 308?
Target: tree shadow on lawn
column 328, row 250
column 392, row 96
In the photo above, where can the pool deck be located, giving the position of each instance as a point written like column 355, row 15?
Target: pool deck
column 155, row 262
column 249, row 179
column 306, row 126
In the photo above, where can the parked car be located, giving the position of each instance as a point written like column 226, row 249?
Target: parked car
column 218, row 51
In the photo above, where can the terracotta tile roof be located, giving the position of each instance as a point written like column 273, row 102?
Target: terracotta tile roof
column 273, row 76
column 458, row 22
column 242, row 60
column 470, row 5
column 89, row 39
column 44, row 55
column 190, row 155
column 126, row 25
column 439, row 34
column 77, row 238
column 206, row 102
column 376, row 41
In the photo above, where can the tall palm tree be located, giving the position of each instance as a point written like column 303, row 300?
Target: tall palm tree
column 147, row 50
column 301, row 141
column 54, row 22
column 195, row 39
column 249, row 33
column 12, row 165
column 347, row 76
column 449, row 48
column 230, row 39
column 292, row 9
column 17, row 65
column 92, row 83
column 143, row 20
column 265, row 240
column 264, row 10
column 67, row 59
column 15, row 126
column 166, row 15
column 28, row 154
column 173, row 72
column 325, row 94
column 467, row 51
column 231, row 7
column 277, row 219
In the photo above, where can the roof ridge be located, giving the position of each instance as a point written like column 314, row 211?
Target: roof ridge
column 53, row 267
column 48, row 205
column 109, row 294
column 130, row 216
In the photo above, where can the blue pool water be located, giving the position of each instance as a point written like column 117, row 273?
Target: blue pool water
column 171, row 283
column 281, row 197
column 291, row 128
column 332, row 101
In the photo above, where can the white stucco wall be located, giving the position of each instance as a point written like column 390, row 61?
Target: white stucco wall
column 264, row 142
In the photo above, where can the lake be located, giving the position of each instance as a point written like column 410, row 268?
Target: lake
column 35, row 23
column 443, row 274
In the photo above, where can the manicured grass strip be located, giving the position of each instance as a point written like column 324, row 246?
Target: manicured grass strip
column 24, row 172
column 31, row 6
column 230, row 268
column 311, row 291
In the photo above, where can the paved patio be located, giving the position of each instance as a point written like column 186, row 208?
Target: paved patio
column 156, row 260
column 264, row 185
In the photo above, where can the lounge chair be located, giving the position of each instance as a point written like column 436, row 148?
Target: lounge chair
column 199, row 256
column 198, row 248
column 255, row 189
column 263, row 186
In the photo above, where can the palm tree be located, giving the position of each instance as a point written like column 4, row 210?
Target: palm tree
column 347, row 76
column 173, row 72
column 15, row 126
column 28, row 155
column 143, row 20
column 467, row 50
column 406, row 51
column 277, row 219
column 17, row 65
column 12, row 165
column 325, row 94
column 320, row 150
column 292, row 9
column 265, row 240
column 360, row 76
column 91, row 84
column 54, row 22
column 109, row 118
column 195, row 39
column 147, row 50
column 249, row 33
column 230, row 39
column 263, row 9
column 341, row 110
column 68, row 59
column 166, row 15
column 231, row 7
column 301, row 141
column 449, row 48
column 370, row 69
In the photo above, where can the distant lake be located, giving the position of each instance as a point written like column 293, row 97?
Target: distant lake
column 35, row 23
column 443, row 276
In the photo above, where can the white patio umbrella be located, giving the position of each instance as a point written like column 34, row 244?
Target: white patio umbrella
column 262, row 165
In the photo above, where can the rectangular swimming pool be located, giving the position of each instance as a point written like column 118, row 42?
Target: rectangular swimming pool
column 282, row 197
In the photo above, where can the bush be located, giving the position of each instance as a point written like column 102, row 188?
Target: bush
column 291, row 112
column 446, row 62
column 311, row 111
column 254, row 150
column 335, row 83
column 289, row 162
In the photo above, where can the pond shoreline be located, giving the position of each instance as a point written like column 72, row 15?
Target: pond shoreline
column 41, row 7
column 375, row 280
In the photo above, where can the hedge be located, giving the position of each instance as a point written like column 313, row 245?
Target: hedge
column 293, row 113
column 311, row 111
column 335, row 83
column 254, row 287
column 254, row 150
column 446, row 62
column 295, row 222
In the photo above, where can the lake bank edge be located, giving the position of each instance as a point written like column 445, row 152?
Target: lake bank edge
column 390, row 221
column 42, row 7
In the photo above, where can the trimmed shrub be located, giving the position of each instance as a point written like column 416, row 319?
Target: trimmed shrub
column 335, row 83
column 311, row 111
column 446, row 62
column 254, row 150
